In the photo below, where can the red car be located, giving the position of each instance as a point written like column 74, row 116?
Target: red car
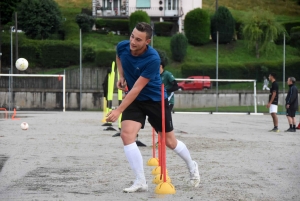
column 195, row 85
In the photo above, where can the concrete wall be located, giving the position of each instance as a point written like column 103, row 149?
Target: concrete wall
column 93, row 100
column 225, row 99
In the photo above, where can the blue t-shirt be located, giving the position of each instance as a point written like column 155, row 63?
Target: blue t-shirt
column 145, row 65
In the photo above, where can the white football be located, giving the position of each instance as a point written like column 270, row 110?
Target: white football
column 24, row 126
column 22, row 64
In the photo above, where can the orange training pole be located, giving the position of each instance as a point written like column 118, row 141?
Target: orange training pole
column 163, row 133
column 153, row 142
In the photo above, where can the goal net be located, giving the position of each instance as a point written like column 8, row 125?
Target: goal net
column 32, row 91
column 218, row 96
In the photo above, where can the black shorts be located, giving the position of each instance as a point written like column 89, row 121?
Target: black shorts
column 290, row 113
column 138, row 110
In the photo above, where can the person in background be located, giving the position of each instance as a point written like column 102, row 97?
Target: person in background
column 266, row 83
column 168, row 80
column 273, row 101
column 291, row 104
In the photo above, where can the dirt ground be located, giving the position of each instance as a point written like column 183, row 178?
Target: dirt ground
column 69, row 156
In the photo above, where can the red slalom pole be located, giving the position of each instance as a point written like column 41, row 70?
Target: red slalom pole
column 153, row 142
column 163, row 165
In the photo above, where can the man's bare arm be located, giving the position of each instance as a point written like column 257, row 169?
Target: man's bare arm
column 273, row 97
column 121, row 83
column 113, row 115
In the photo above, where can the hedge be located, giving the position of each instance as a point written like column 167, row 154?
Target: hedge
column 289, row 25
column 104, row 58
column 254, row 70
column 121, row 25
column 163, row 28
column 45, row 53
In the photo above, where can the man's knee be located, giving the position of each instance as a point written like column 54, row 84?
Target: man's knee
column 171, row 141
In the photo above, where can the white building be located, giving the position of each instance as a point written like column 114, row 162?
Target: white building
column 158, row 10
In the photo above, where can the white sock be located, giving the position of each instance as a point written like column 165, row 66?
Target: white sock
column 135, row 160
column 184, row 153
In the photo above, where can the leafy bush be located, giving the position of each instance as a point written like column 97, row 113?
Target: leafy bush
column 108, row 25
column 289, row 25
column 100, row 23
column 295, row 37
column 104, row 58
column 57, row 54
column 39, row 19
column 253, row 70
column 88, row 53
column 85, row 22
column 260, row 28
column 163, row 28
column 197, row 26
column 223, row 22
column 179, row 45
column 120, row 25
column 238, row 28
column 136, row 17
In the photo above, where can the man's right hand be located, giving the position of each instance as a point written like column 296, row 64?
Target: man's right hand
column 121, row 84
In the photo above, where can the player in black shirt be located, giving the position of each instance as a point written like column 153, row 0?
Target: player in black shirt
column 291, row 104
column 273, row 101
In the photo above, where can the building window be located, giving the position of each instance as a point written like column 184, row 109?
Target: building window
column 143, row 3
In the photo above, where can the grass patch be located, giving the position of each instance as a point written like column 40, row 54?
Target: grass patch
column 260, row 109
column 247, row 86
column 278, row 7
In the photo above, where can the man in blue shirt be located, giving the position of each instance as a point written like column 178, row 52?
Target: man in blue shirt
column 138, row 65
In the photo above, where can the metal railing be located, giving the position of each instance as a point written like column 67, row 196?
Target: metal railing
column 125, row 12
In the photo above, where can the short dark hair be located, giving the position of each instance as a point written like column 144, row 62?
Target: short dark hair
column 273, row 75
column 163, row 58
column 293, row 79
column 144, row 27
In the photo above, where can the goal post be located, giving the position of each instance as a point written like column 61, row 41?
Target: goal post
column 229, row 80
column 43, row 75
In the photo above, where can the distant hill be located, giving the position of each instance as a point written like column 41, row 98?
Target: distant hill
column 278, row 7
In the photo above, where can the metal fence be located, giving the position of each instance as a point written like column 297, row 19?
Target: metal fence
column 92, row 79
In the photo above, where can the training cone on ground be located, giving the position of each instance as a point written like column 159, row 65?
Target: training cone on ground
column 153, row 162
column 159, row 178
column 165, row 188
column 157, row 171
column 298, row 127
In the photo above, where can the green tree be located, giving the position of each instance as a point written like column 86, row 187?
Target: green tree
column 39, row 19
column 197, row 26
column 136, row 17
column 179, row 44
column 223, row 22
column 85, row 22
column 7, row 8
column 261, row 30
column 295, row 37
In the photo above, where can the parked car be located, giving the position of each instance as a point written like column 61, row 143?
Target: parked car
column 195, row 85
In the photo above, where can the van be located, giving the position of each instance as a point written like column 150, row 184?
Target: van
column 195, row 85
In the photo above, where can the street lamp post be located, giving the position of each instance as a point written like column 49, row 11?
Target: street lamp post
column 11, row 71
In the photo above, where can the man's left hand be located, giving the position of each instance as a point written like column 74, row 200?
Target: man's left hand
column 113, row 115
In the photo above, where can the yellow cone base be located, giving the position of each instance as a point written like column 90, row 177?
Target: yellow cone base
column 157, row 171
column 160, row 178
column 165, row 188
column 152, row 162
